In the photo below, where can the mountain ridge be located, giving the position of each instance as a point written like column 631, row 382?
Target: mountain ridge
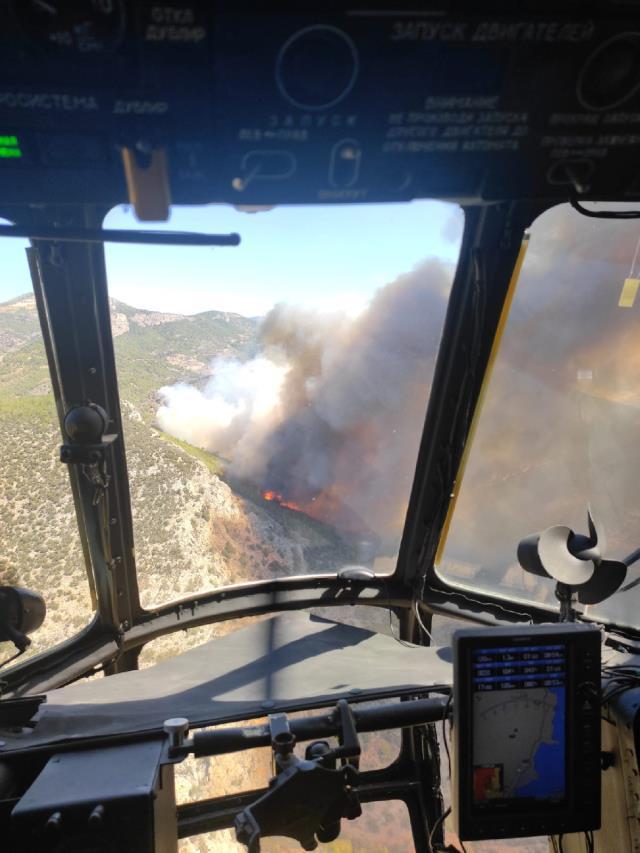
column 28, row 297
column 152, row 348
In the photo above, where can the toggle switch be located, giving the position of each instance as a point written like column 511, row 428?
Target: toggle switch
column 344, row 164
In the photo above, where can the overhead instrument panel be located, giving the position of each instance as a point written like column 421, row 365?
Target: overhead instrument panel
column 359, row 102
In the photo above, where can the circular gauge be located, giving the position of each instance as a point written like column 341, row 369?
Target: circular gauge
column 317, row 67
column 83, row 26
column 611, row 75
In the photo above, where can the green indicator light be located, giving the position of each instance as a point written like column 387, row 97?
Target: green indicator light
column 9, row 147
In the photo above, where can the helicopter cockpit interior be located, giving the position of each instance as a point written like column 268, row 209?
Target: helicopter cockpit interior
column 354, row 285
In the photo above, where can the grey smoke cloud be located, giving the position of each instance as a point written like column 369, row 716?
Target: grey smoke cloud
column 330, row 413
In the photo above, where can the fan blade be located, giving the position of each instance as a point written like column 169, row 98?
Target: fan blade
column 559, row 562
column 596, row 545
column 528, row 556
column 607, row 579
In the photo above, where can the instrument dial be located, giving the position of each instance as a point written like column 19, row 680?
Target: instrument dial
column 611, row 75
column 317, row 67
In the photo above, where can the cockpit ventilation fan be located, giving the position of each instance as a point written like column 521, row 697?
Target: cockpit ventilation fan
column 575, row 561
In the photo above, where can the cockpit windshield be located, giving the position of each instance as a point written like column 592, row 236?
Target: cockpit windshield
column 561, row 417
column 274, row 394
column 273, row 399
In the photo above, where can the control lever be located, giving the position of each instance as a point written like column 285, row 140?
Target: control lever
column 307, row 797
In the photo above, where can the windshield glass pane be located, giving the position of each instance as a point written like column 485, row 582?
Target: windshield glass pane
column 274, row 394
column 561, row 417
column 39, row 542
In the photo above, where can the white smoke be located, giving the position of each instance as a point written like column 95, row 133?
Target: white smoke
column 237, row 396
column 331, row 413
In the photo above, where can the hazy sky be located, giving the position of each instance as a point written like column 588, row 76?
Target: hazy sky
column 327, row 257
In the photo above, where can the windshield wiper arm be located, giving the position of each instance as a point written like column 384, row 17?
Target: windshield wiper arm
column 119, row 235
column 629, row 560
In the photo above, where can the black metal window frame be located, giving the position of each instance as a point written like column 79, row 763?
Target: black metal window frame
column 70, row 285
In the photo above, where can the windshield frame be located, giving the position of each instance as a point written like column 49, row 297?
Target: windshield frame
column 491, row 246
column 72, row 278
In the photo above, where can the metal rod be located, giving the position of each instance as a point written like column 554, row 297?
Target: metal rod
column 396, row 782
column 629, row 560
column 604, row 214
column 632, row 558
column 115, row 235
column 399, row 715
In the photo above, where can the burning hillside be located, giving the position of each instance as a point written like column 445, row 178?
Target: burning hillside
column 276, row 498
column 327, row 418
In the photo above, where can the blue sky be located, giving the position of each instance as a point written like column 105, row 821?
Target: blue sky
column 326, row 257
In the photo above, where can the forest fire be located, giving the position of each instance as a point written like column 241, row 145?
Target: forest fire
column 328, row 507
column 277, row 498
column 330, row 410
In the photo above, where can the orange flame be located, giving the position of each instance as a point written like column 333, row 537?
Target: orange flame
column 274, row 496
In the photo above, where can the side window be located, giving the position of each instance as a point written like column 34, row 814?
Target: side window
column 558, row 429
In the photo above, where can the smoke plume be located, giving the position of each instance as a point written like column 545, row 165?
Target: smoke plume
column 330, row 414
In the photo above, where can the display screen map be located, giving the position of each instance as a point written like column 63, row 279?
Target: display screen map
column 519, row 723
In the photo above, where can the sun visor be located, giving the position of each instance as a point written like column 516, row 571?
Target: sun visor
column 289, row 662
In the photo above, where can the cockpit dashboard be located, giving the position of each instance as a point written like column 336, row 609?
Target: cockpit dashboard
column 506, row 110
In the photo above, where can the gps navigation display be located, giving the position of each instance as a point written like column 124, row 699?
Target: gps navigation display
column 519, row 705
column 526, row 730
